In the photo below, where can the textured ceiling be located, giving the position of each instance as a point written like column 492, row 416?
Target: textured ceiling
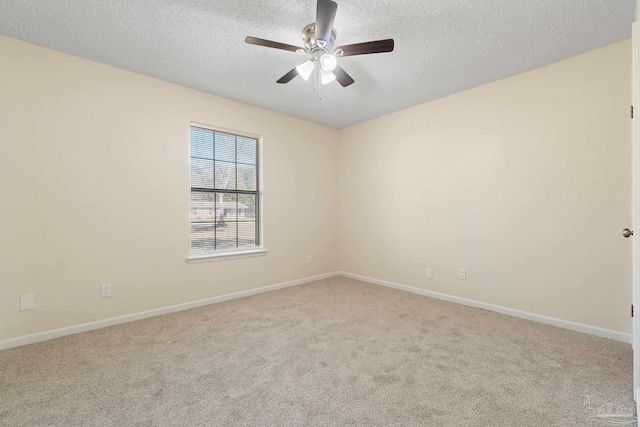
column 442, row 46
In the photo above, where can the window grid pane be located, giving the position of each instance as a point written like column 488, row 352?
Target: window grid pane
column 224, row 191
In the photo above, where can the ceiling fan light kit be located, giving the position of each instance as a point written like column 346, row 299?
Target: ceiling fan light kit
column 305, row 69
column 319, row 39
column 328, row 62
column 327, row 77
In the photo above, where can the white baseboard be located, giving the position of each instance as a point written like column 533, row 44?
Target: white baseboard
column 579, row 327
column 84, row 327
column 70, row 330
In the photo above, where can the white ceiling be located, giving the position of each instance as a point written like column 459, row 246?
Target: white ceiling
column 442, row 46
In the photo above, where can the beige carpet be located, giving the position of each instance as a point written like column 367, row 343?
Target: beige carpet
column 336, row 352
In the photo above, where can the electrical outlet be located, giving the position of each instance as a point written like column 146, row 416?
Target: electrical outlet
column 27, row 302
column 309, row 259
column 462, row 274
column 429, row 273
column 105, row 291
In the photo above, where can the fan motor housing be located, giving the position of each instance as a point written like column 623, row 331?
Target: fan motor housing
column 311, row 43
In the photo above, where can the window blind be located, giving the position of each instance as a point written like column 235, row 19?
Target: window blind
column 224, row 191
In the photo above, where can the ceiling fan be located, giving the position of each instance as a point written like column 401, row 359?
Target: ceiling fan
column 319, row 38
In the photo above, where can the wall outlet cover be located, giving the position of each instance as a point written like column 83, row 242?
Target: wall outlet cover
column 27, row 302
column 429, row 274
column 105, row 291
column 462, row 274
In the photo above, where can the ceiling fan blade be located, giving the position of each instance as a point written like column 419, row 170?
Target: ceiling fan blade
column 268, row 43
column 288, row 77
column 325, row 15
column 378, row 46
column 342, row 77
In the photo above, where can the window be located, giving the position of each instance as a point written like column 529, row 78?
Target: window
column 225, row 192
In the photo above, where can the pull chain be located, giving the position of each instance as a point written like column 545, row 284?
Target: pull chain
column 317, row 80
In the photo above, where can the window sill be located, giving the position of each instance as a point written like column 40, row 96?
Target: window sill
column 225, row 256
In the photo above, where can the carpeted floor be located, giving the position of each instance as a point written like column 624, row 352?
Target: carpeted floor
column 337, row 352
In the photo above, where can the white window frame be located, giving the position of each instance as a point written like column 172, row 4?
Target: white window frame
column 229, row 254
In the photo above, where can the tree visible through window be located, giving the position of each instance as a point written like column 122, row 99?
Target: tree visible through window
column 225, row 197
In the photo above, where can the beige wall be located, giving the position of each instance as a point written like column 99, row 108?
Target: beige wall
column 86, row 148
column 525, row 182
